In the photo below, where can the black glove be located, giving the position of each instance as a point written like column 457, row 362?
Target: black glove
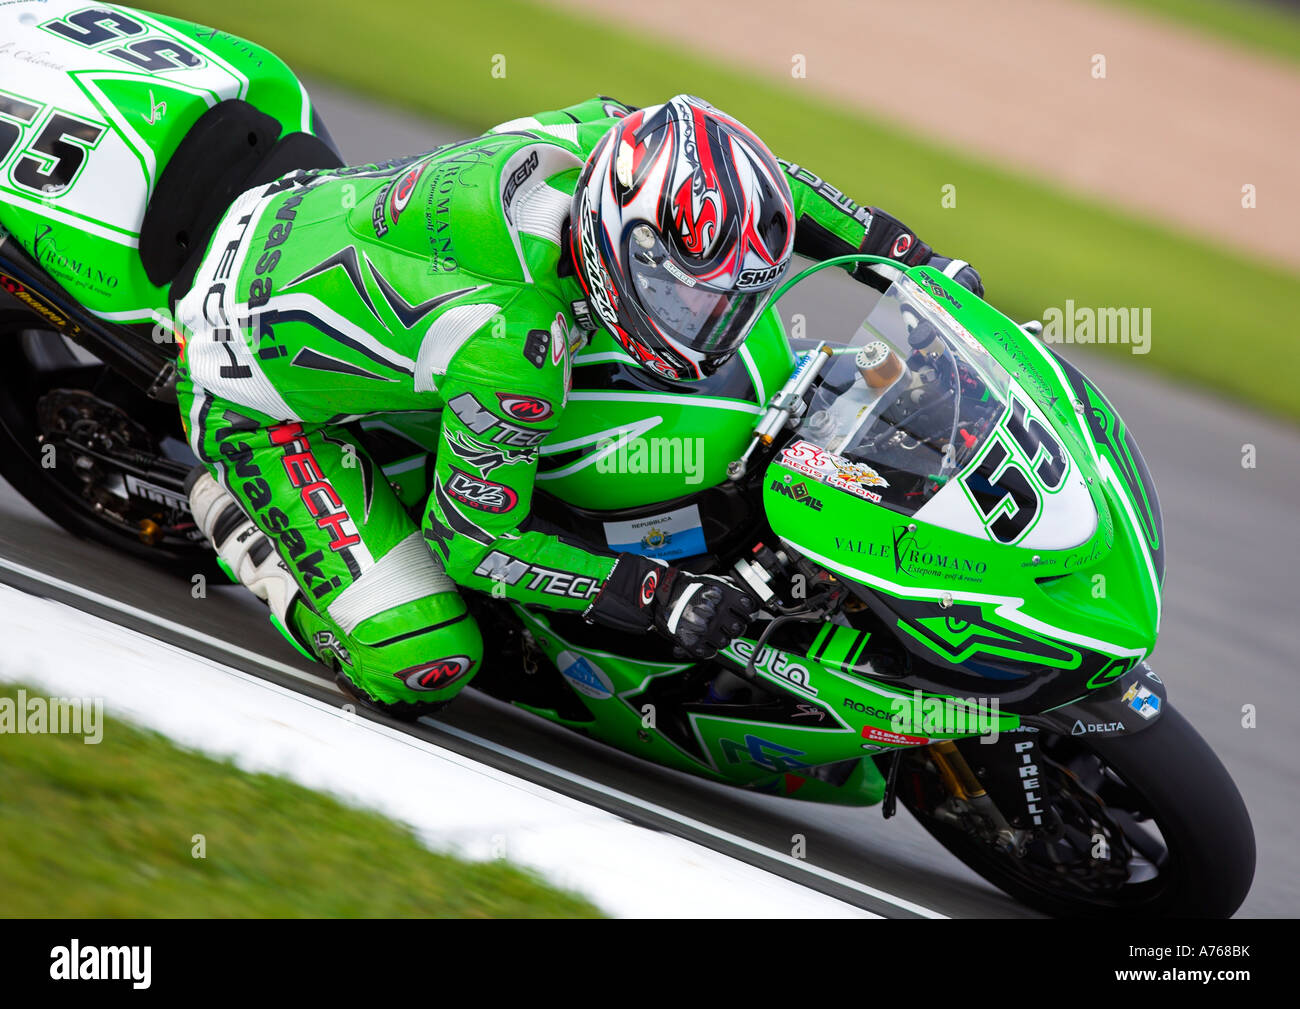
column 698, row 613
column 960, row 271
column 888, row 236
column 701, row 613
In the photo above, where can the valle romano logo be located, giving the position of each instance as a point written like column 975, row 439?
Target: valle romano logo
column 62, row 265
column 912, row 557
column 848, row 544
column 75, row 962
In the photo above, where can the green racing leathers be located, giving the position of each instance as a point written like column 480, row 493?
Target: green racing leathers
column 434, row 284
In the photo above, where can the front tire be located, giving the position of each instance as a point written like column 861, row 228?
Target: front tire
column 1164, row 776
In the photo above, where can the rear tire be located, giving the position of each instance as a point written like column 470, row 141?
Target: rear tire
column 22, row 381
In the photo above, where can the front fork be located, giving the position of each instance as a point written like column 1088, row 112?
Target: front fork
column 966, row 796
column 1129, row 704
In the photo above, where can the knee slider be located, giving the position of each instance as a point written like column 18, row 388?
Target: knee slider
column 423, row 652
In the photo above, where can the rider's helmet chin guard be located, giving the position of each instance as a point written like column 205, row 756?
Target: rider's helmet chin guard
column 682, row 222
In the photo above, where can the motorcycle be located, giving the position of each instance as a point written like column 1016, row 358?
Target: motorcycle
column 957, row 544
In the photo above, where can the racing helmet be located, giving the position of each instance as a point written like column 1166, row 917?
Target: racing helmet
column 681, row 223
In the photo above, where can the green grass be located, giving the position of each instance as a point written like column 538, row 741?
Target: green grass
column 1036, row 245
column 105, row 831
column 1255, row 24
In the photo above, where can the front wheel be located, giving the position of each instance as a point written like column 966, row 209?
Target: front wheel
column 1143, row 825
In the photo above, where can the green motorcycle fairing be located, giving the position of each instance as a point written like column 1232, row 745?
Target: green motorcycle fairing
column 1037, row 558
column 1064, row 606
column 90, row 117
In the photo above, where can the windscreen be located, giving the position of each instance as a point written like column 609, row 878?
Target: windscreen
column 907, row 402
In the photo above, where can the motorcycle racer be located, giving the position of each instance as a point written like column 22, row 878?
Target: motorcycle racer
column 459, row 283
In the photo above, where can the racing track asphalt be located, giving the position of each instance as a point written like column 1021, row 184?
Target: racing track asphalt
column 1228, row 638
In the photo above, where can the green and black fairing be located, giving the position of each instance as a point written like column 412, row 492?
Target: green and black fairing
column 1114, row 440
column 1064, row 596
column 1030, row 625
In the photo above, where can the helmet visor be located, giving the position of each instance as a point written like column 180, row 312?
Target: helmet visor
column 698, row 317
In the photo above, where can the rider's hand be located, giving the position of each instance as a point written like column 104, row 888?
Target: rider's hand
column 701, row 613
column 697, row 613
column 888, row 236
column 960, row 271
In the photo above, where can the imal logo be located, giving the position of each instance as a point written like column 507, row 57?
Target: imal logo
column 799, row 492
column 75, row 962
column 938, row 290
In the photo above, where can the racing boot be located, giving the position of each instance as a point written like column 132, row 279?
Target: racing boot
column 244, row 552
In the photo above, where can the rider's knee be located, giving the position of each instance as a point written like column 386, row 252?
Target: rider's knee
column 414, row 658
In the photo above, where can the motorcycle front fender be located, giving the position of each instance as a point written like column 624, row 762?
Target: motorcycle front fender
column 1132, row 703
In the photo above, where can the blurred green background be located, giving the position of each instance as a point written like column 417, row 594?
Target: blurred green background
column 1265, row 25
column 1035, row 244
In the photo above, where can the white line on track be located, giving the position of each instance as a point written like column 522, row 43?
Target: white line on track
column 699, row 826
